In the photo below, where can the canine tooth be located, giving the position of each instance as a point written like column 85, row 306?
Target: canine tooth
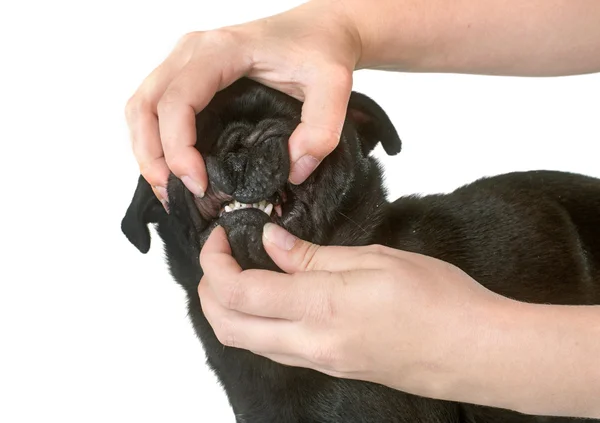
column 269, row 209
column 228, row 209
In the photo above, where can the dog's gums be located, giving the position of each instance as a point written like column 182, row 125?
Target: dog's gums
column 207, row 204
column 532, row 236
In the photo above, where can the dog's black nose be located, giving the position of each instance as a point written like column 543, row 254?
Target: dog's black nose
column 251, row 173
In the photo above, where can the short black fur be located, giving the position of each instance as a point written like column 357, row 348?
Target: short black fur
column 533, row 236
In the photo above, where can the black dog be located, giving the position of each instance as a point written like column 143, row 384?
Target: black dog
column 532, row 236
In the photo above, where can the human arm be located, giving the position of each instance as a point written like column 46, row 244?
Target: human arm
column 404, row 320
column 310, row 52
column 495, row 37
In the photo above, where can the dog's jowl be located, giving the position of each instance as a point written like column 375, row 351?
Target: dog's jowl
column 533, row 236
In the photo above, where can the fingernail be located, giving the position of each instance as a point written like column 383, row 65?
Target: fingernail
column 193, row 186
column 163, row 197
column 302, row 169
column 279, row 236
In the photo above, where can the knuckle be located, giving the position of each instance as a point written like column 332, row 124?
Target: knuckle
column 234, row 296
column 330, row 141
column 322, row 308
column 133, row 108
column 324, row 355
column 310, row 259
column 219, row 37
column 191, row 42
column 225, row 333
column 376, row 249
column 341, row 76
column 188, row 38
column 168, row 101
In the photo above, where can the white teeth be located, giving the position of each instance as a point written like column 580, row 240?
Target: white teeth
column 261, row 205
column 269, row 209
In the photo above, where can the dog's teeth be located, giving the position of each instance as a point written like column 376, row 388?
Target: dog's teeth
column 236, row 205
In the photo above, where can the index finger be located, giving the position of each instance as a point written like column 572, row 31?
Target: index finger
column 187, row 95
column 256, row 292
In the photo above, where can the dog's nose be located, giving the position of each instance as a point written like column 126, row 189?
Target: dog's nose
column 250, row 174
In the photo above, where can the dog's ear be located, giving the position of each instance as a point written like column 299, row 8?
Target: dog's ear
column 143, row 209
column 373, row 125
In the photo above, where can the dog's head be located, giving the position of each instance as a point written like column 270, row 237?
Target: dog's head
column 243, row 136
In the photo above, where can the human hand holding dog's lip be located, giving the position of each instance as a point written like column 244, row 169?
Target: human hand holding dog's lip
column 308, row 53
column 370, row 313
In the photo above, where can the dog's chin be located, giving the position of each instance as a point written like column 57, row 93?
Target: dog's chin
column 244, row 229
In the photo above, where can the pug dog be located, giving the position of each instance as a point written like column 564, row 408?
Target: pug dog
column 533, row 236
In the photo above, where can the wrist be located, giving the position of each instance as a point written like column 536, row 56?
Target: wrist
column 393, row 35
column 532, row 358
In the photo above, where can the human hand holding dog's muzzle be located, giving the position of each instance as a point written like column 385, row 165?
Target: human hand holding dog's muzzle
column 404, row 320
column 308, row 53
column 370, row 313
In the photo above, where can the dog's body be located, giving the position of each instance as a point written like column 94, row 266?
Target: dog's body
column 532, row 236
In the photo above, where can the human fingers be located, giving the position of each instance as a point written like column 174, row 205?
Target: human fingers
column 217, row 60
column 323, row 115
column 260, row 292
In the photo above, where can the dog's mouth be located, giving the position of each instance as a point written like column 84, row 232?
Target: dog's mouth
column 271, row 207
column 216, row 204
column 243, row 220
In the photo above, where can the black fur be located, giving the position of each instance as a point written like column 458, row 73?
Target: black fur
column 532, row 236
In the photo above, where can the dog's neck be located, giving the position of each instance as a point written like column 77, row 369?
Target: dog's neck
column 363, row 212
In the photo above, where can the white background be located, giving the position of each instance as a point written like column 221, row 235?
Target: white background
column 93, row 331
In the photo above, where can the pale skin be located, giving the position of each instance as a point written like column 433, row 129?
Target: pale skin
column 375, row 313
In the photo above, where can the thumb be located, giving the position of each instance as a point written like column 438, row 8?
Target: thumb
column 323, row 115
column 294, row 255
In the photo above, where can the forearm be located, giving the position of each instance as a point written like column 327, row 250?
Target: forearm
column 496, row 37
column 536, row 359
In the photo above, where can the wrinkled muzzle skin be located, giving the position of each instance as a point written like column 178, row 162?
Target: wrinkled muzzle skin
column 243, row 136
column 247, row 163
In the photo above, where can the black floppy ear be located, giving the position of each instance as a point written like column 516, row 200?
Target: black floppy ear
column 373, row 125
column 143, row 209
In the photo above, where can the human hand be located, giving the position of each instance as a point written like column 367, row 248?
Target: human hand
column 308, row 52
column 370, row 313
